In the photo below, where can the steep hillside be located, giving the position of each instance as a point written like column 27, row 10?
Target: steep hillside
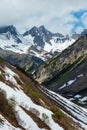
column 24, row 107
column 67, row 72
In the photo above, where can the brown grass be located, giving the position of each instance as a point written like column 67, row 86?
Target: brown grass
column 1, row 121
column 64, row 121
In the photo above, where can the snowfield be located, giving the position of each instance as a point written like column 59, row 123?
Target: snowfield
column 14, row 46
column 59, row 46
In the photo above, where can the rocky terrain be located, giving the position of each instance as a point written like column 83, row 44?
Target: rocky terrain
column 67, row 72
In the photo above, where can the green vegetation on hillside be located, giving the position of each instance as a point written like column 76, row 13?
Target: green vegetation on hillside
column 1, row 59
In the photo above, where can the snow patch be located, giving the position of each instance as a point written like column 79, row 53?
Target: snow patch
column 67, row 84
column 83, row 99
column 12, row 45
column 78, row 96
column 81, row 75
column 71, row 82
column 59, row 45
column 9, row 76
column 26, row 121
column 5, row 125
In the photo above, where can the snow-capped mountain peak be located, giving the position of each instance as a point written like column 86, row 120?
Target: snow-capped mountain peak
column 32, row 31
column 9, row 28
column 11, row 39
column 47, row 40
column 10, row 32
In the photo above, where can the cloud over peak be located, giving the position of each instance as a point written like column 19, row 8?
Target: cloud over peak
column 56, row 15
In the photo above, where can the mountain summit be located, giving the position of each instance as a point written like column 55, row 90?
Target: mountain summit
column 10, row 32
column 40, row 34
column 47, row 40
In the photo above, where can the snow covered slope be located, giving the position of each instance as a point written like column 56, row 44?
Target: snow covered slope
column 24, row 107
column 23, row 118
column 58, row 45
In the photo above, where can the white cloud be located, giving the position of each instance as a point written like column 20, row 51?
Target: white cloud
column 79, row 29
column 54, row 14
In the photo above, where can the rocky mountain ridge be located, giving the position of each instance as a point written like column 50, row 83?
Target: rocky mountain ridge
column 66, row 73
column 39, row 37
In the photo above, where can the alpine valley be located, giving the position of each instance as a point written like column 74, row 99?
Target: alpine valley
column 43, row 82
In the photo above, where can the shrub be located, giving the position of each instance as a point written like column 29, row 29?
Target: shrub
column 33, row 93
column 59, row 114
column 12, row 102
column 63, row 119
column 6, row 108
column 45, row 118
column 35, row 111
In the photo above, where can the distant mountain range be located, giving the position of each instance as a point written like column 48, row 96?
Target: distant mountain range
column 36, row 43
column 39, row 37
column 47, row 40
column 31, row 49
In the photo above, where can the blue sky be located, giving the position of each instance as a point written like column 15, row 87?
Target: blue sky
column 63, row 16
column 80, row 23
column 78, row 14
